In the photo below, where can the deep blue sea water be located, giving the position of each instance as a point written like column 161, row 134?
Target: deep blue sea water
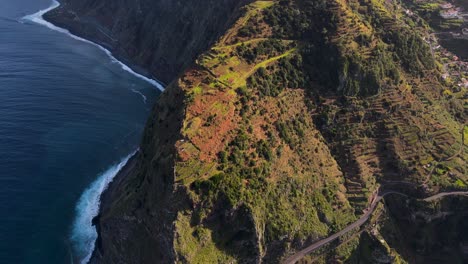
column 68, row 113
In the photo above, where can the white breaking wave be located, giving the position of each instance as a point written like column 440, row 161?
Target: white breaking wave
column 39, row 19
column 84, row 234
column 140, row 93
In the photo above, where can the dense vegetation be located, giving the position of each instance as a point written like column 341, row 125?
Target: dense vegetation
column 342, row 63
column 288, row 73
column 270, row 47
column 311, row 141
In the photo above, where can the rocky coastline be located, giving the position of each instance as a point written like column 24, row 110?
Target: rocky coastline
column 172, row 46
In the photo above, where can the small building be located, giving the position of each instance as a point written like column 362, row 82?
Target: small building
column 449, row 14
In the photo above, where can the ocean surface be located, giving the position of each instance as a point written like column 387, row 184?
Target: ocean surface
column 69, row 117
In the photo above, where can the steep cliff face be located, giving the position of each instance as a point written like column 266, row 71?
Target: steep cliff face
column 428, row 232
column 279, row 133
column 158, row 37
column 135, row 223
column 162, row 38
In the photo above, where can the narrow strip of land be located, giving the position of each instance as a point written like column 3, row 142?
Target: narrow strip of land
column 262, row 64
column 442, row 195
column 250, row 41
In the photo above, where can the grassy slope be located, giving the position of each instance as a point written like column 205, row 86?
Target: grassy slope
column 296, row 178
column 298, row 187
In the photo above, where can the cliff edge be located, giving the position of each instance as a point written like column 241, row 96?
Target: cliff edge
column 159, row 38
column 282, row 122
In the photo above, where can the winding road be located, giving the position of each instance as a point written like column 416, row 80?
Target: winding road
column 368, row 212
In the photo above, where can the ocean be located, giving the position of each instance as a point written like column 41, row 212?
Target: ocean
column 70, row 116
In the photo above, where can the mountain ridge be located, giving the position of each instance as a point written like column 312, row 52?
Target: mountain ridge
column 278, row 135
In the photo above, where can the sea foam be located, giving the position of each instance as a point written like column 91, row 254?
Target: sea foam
column 84, row 234
column 39, row 19
column 140, row 93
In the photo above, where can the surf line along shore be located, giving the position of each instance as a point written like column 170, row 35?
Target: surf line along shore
column 84, row 234
column 38, row 18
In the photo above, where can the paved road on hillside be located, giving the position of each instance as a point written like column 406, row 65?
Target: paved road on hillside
column 299, row 255
column 441, row 195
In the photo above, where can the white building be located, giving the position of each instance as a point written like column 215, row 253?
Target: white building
column 448, row 14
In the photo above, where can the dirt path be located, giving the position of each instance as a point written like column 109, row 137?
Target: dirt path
column 242, row 80
column 442, row 195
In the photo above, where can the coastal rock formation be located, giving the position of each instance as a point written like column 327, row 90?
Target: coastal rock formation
column 281, row 122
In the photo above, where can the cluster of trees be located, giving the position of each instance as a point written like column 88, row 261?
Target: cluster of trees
column 238, row 163
column 239, row 147
column 335, row 65
column 291, row 22
column 287, row 22
column 361, row 76
column 250, row 29
column 264, row 150
column 291, row 131
column 413, row 53
column 270, row 47
column 270, row 81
